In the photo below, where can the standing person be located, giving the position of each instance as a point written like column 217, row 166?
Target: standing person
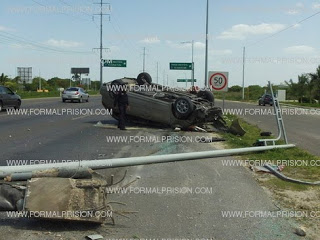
column 123, row 104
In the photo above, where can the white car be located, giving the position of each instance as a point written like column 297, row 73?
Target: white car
column 75, row 94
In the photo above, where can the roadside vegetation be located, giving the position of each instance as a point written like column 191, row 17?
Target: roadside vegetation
column 307, row 173
column 304, row 92
column 49, row 87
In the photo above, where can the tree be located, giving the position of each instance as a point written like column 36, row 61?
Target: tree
column 235, row 88
column 3, row 79
column 298, row 90
column 315, row 81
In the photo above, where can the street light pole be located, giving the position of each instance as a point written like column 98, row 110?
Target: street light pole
column 244, row 60
column 207, row 36
column 192, row 73
column 192, row 63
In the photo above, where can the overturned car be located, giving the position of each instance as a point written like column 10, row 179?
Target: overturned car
column 154, row 103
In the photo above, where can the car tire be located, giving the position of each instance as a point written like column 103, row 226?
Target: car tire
column 81, row 100
column 63, row 100
column 144, row 78
column 88, row 99
column 18, row 106
column 207, row 95
column 183, row 107
column 1, row 106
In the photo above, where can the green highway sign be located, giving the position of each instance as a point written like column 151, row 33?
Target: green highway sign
column 180, row 66
column 114, row 63
column 186, row 80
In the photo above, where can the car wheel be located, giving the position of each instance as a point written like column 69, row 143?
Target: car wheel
column 88, row 99
column 207, row 95
column 1, row 107
column 183, row 107
column 144, row 78
column 63, row 100
column 81, row 100
column 18, row 106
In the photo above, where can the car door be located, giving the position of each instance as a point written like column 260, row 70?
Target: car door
column 4, row 97
column 85, row 94
column 11, row 97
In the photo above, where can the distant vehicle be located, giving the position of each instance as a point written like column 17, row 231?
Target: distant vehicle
column 265, row 99
column 75, row 94
column 9, row 99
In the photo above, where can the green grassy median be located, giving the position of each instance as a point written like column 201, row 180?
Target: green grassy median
column 295, row 155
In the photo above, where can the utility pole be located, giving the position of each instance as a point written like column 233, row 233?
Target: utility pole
column 144, row 60
column 164, row 76
column 243, row 61
column 39, row 80
column 207, row 36
column 157, row 72
column 101, row 45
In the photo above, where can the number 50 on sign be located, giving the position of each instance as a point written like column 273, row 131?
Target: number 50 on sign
column 218, row 81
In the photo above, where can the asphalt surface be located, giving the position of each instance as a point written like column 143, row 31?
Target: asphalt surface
column 160, row 214
column 302, row 125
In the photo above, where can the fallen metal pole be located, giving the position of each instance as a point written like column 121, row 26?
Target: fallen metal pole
column 132, row 161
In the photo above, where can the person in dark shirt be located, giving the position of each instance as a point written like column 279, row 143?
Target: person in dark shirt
column 123, row 104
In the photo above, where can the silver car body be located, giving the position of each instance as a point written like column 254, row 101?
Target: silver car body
column 75, row 94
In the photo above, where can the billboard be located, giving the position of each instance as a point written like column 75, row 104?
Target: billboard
column 80, row 71
column 25, row 74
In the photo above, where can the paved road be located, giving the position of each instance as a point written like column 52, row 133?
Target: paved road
column 160, row 214
column 302, row 126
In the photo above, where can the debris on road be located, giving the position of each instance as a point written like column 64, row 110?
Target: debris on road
column 94, row 237
column 300, row 232
column 285, row 178
column 266, row 170
column 211, row 139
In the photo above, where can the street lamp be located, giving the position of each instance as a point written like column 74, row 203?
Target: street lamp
column 192, row 63
column 206, row 55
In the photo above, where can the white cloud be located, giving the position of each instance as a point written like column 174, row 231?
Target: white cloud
column 63, row 43
column 3, row 28
column 150, row 40
column 301, row 49
column 316, row 6
column 221, row 52
column 241, row 31
column 292, row 12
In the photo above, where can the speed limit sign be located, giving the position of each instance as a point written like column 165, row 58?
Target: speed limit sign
column 218, row 81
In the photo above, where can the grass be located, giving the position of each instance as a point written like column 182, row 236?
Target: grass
column 295, row 155
column 27, row 95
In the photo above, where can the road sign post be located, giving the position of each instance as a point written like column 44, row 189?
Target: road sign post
column 114, row 63
column 218, row 82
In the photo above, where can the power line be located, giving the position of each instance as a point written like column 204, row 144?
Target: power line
column 31, row 43
column 285, row 29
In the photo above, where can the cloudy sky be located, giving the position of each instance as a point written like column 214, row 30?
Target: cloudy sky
column 54, row 35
